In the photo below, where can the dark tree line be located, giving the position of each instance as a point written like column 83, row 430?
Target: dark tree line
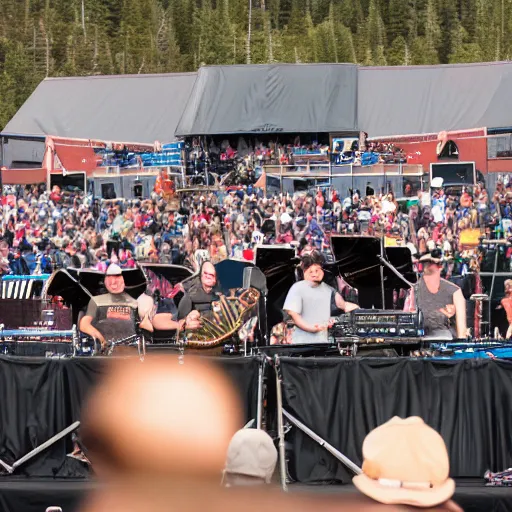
column 40, row 38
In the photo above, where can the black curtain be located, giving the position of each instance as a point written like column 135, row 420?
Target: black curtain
column 468, row 402
column 41, row 397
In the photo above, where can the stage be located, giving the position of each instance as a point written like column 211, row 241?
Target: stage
column 470, row 494
column 36, row 494
column 18, row 494
column 340, row 399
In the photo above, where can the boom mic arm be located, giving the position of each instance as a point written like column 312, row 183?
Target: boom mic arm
column 395, row 271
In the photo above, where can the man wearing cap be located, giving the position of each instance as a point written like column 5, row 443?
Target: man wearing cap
column 438, row 300
column 251, row 459
column 111, row 316
column 309, row 302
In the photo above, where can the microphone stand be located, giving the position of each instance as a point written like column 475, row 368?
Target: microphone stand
column 395, row 271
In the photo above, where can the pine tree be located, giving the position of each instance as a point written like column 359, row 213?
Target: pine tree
column 432, row 31
column 483, row 29
column 462, row 50
column 351, row 14
column 16, row 81
column 422, row 53
column 346, row 50
column 397, row 53
column 380, row 56
column 399, row 15
column 449, row 24
column 375, row 30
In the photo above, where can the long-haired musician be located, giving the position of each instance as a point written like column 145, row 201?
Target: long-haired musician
column 309, row 302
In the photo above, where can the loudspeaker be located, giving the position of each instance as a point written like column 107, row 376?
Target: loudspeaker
column 255, row 278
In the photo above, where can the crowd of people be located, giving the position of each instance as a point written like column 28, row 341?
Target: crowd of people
column 248, row 156
column 44, row 230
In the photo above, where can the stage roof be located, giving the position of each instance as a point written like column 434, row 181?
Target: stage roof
column 125, row 108
column 286, row 98
column 280, row 98
column 430, row 99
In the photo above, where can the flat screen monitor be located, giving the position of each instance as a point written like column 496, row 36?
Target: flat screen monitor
column 459, row 173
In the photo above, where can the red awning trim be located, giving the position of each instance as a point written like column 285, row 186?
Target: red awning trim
column 23, row 176
column 76, row 158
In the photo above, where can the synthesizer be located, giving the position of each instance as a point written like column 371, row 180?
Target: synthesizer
column 375, row 323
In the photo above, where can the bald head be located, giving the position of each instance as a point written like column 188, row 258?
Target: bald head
column 208, row 276
column 161, row 417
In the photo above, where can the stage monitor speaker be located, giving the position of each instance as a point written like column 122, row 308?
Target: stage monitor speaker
column 255, row 278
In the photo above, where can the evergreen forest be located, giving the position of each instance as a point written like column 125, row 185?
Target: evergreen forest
column 47, row 38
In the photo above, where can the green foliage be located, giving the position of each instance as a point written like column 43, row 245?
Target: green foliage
column 40, row 38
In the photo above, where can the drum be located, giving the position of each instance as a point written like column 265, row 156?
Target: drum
column 126, row 346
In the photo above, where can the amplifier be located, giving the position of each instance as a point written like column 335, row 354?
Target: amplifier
column 378, row 323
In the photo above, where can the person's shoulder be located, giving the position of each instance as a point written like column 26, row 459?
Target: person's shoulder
column 298, row 286
column 129, row 298
column 326, row 286
column 448, row 285
column 102, row 299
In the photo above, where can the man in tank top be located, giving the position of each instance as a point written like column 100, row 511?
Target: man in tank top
column 438, row 300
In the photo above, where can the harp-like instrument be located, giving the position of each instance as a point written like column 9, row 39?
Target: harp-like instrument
column 228, row 315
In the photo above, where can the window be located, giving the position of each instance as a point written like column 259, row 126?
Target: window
column 138, row 189
column 108, row 191
column 411, row 186
column 25, row 164
column 499, row 147
column 70, row 182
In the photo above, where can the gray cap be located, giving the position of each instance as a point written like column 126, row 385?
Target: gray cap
column 251, row 452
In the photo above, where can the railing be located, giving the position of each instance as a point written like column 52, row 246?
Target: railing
column 404, row 179
column 309, row 169
column 123, row 171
